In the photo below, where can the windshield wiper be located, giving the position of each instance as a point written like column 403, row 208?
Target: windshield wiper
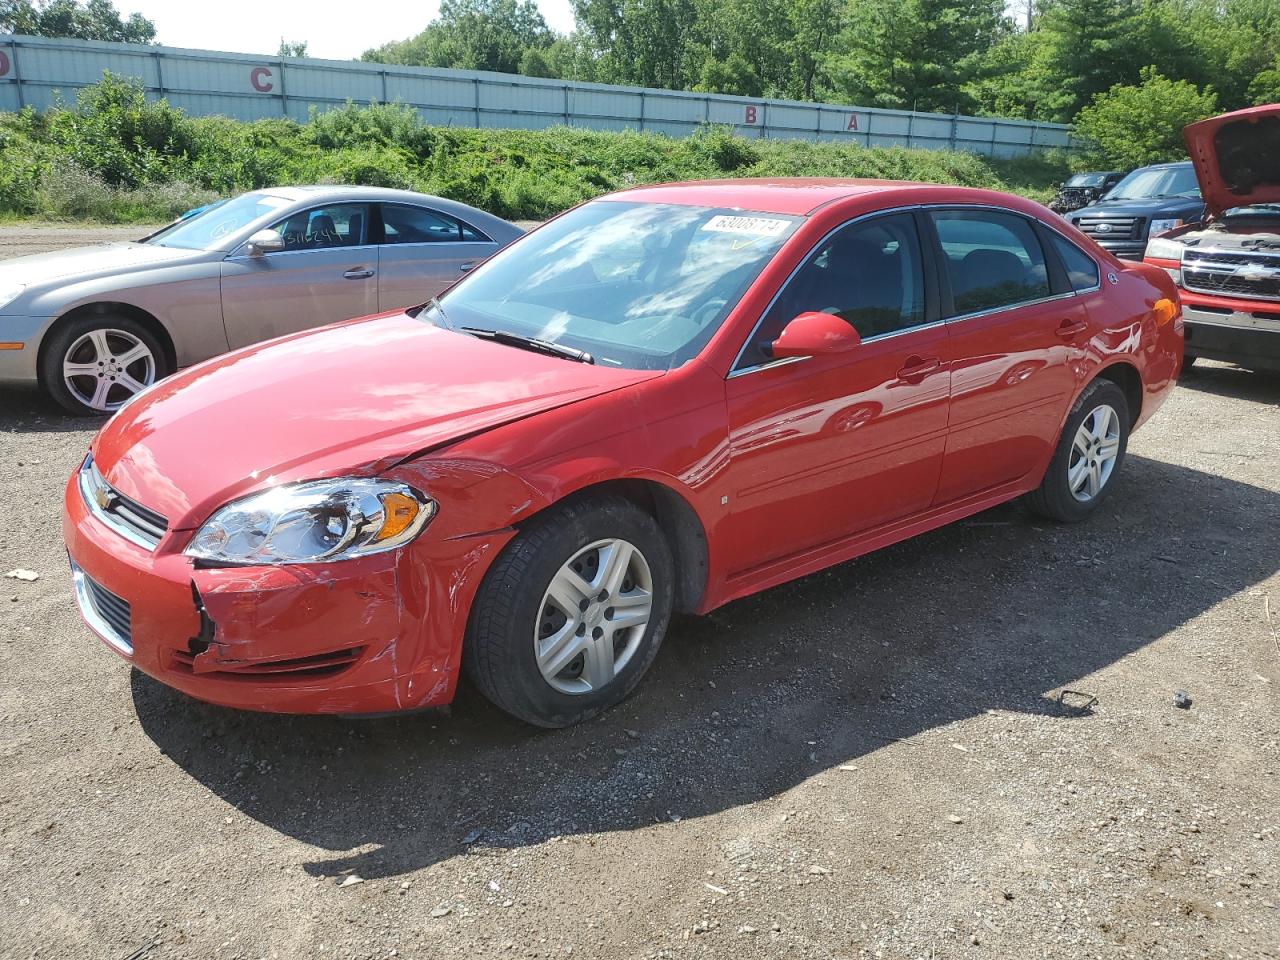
column 531, row 343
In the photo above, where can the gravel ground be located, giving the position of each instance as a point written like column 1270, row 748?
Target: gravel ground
column 870, row 762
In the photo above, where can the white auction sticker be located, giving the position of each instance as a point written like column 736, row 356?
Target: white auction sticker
column 751, row 226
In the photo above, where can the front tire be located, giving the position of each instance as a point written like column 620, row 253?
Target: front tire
column 572, row 613
column 1090, row 452
column 94, row 364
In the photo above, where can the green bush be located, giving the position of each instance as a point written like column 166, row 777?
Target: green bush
column 117, row 156
column 1133, row 126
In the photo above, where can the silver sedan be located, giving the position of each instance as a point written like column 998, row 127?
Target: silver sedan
column 95, row 325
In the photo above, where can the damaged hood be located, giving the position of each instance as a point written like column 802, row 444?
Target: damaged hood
column 1237, row 157
column 343, row 400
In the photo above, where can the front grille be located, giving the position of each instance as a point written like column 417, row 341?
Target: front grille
column 127, row 517
column 1112, row 228
column 1250, row 275
column 106, row 613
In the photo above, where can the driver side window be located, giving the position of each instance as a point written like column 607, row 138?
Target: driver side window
column 868, row 273
column 322, row 228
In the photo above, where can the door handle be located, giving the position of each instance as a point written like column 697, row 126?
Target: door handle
column 357, row 275
column 917, row 367
column 1069, row 328
column 466, row 266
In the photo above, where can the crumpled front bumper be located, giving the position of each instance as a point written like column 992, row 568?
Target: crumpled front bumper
column 372, row 635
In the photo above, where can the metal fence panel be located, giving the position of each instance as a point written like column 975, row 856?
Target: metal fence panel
column 33, row 70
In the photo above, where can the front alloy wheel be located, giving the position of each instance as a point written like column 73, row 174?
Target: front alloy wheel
column 593, row 617
column 95, row 363
column 105, row 367
column 572, row 612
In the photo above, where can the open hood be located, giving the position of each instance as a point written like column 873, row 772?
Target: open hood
column 1237, row 157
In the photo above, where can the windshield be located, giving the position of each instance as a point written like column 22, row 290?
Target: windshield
column 1156, row 183
column 637, row 285
column 1087, row 180
column 209, row 227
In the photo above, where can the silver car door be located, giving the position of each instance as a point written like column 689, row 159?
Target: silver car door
column 326, row 272
column 422, row 252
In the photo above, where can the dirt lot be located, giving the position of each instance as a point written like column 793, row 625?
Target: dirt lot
column 870, row 762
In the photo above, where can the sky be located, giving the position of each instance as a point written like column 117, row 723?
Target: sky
column 332, row 30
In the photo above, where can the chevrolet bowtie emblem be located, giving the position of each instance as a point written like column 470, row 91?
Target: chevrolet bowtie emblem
column 103, row 498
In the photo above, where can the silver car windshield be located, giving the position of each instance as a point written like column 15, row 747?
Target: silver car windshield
column 208, row 228
column 637, row 285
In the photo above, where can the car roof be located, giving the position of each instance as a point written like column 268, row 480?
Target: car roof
column 344, row 191
column 801, row 196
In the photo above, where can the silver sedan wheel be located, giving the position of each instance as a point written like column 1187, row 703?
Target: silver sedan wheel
column 593, row 617
column 104, row 368
column 1094, row 453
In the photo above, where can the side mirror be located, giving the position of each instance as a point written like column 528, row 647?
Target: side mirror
column 265, row 241
column 815, row 334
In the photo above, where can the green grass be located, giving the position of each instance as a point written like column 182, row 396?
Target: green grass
column 117, row 158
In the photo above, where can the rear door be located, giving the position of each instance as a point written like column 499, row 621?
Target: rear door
column 326, row 272
column 1014, row 333
column 422, row 252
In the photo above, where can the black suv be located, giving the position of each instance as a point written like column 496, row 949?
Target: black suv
column 1148, row 202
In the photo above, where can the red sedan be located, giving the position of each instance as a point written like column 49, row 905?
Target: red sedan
column 660, row 401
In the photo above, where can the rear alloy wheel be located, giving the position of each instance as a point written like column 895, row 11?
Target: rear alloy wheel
column 572, row 613
column 1090, row 450
column 96, row 364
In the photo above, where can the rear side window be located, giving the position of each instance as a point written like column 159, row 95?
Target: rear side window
column 993, row 259
column 1082, row 272
column 402, row 223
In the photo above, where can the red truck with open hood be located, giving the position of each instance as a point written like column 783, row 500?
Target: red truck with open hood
column 1228, row 268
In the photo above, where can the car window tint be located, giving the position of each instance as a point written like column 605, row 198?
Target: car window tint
column 993, row 259
column 405, row 224
column 868, row 273
column 320, row 228
column 1082, row 272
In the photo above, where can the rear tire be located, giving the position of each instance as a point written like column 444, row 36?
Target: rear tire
column 556, row 633
column 1090, row 451
column 95, row 363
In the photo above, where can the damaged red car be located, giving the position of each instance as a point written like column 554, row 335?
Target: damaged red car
column 660, row 401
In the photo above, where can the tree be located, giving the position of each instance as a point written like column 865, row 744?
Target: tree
column 473, row 35
column 294, row 48
column 1131, row 126
column 914, row 54
column 91, row 20
column 733, row 76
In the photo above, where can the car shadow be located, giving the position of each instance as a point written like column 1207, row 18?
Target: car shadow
column 1225, row 380
column 1001, row 612
column 31, row 411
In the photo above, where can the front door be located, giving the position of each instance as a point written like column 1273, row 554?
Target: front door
column 825, row 447
column 1013, row 337
column 327, row 272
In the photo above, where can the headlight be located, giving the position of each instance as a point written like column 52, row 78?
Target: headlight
column 1161, row 249
column 1163, row 226
column 10, row 293
column 312, row 522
